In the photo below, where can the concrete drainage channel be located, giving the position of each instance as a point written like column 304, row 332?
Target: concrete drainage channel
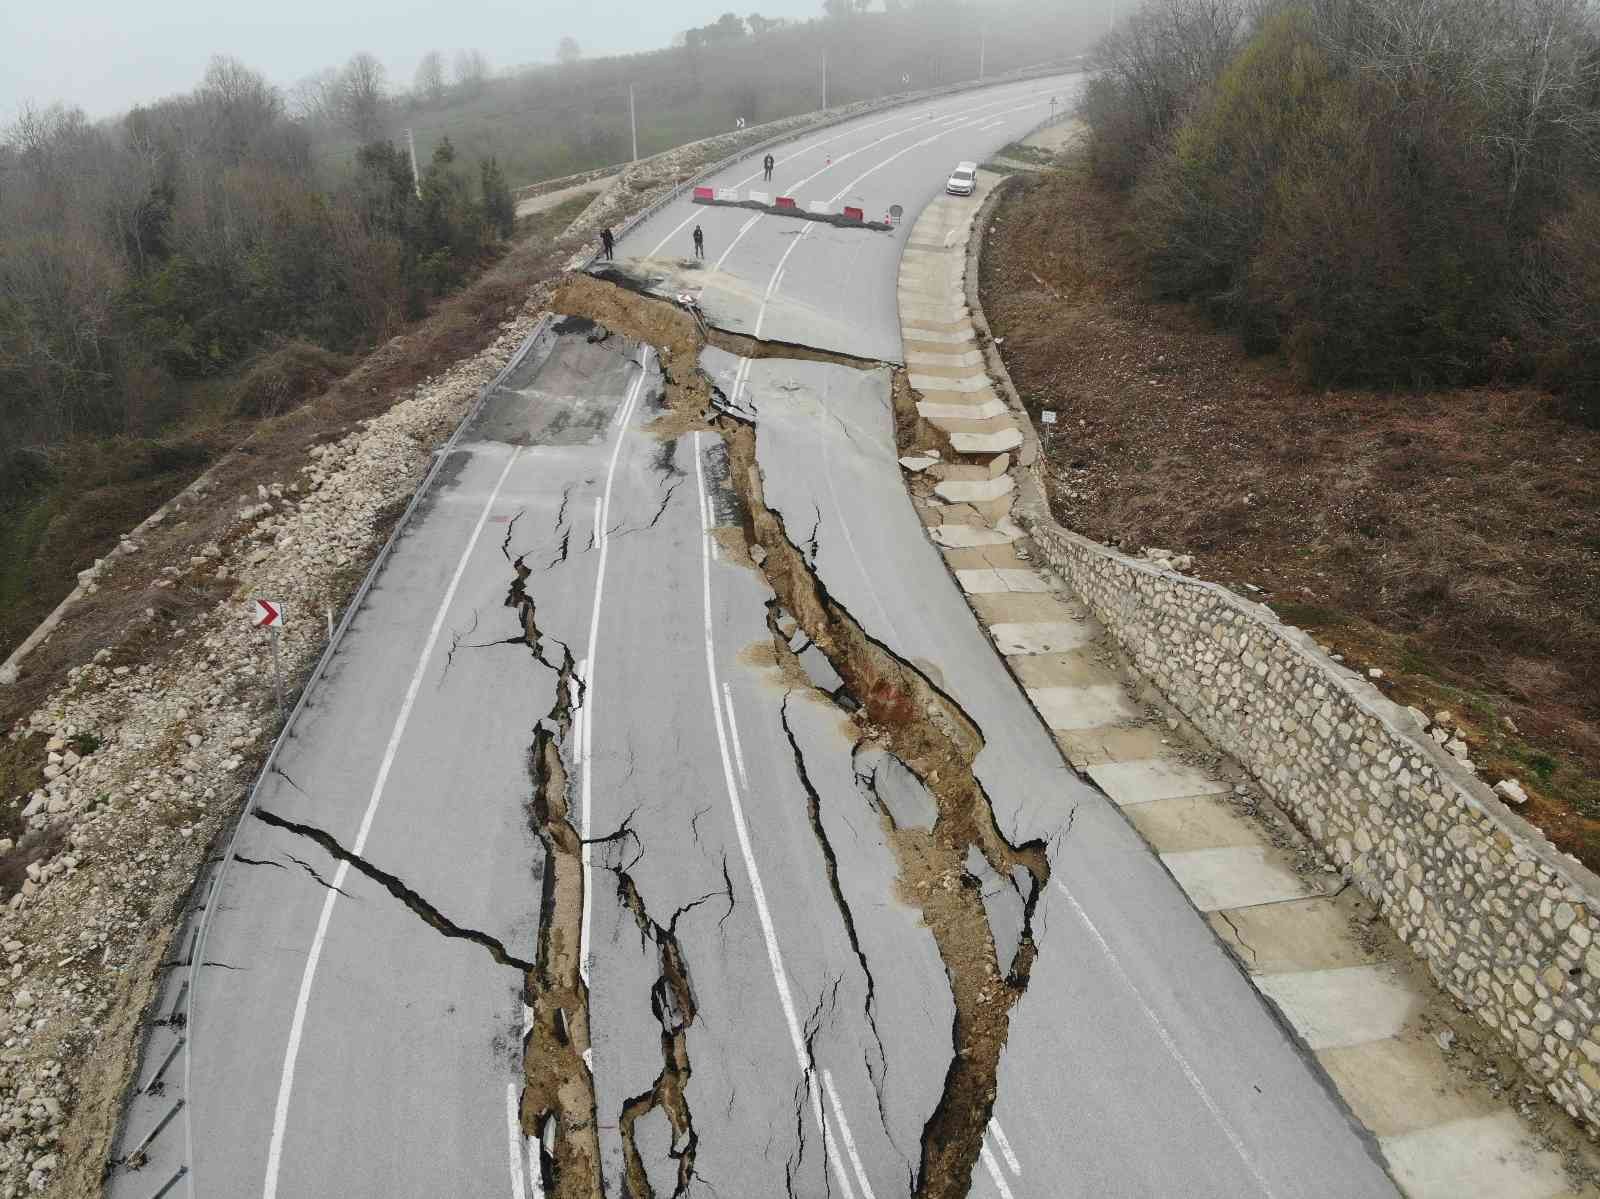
column 1413, row 1068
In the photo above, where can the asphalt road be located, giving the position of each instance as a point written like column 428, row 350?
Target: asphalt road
column 750, row 846
column 808, row 283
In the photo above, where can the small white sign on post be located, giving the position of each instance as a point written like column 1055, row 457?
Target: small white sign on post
column 1047, row 417
column 268, row 614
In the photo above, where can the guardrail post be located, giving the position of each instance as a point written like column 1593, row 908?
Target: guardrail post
column 171, row 1182
column 138, row 1152
column 149, row 1088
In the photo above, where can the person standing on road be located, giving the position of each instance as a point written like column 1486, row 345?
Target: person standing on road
column 607, row 242
column 767, row 164
column 699, row 243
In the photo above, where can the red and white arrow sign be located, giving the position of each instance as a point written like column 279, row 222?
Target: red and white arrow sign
column 268, row 614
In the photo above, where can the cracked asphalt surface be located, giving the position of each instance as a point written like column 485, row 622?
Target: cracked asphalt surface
column 848, row 924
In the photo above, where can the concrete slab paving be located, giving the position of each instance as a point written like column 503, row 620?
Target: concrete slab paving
column 1082, row 707
column 1146, row 779
column 1234, row 877
column 1490, row 1157
column 1403, row 1084
column 1092, row 746
column 1041, row 636
column 1069, row 668
column 1349, row 1005
column 1307, row 934
column 1197, row 822
column 959, row 536
column 1014, row 609
column 987, row 580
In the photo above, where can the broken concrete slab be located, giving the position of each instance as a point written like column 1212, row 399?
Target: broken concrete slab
column 1003, row 904
column 891, row 783
column 1304, row 934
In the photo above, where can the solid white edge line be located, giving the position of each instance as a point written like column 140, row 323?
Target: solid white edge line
column 535, row 1177
column 846, row 1134
column 1004, row 1142
column 280, row 1115
column 602, row 516
column 514, row 1130
column 758, row 893
column 994, row 1172
column 733, row 728
column 1169, row 1043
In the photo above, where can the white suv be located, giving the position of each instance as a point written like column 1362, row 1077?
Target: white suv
column 963, row 180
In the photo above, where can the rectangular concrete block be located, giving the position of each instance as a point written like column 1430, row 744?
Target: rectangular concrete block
column 1082, row 707
column 1040, row 637
column 1153, row 779
column 1235, row 877
column 1347, row 1006
column 1490, row 1157
column 987, row 580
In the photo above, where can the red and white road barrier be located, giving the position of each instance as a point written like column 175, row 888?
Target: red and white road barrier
column 782, row 204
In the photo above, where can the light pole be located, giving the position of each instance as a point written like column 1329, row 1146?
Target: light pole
column 980, row 54
column 633, row 124
column 824, row 79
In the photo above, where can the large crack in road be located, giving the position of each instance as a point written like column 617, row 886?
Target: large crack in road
column 908, row 716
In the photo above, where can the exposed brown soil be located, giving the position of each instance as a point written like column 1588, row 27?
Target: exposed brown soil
column 1451, row 538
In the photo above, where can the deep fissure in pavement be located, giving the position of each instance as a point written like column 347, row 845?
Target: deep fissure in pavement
column 558, row 1100
column 905, row 714
column 673, row 1003
column 911, row 718
column 392, row 884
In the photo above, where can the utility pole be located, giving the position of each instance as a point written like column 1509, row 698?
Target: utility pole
column 416, row 178
column 633, row 123
column 980, row 54
column 824, row 79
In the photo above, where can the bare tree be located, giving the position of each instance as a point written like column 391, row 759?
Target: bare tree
column 429, row 81
column 315, row 99
column 568, row 51
column 471, row 71
column 363, row 96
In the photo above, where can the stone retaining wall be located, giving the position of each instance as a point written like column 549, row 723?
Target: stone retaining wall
column 1505, row 922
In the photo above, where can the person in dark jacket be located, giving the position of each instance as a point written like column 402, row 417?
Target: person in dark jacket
column 699, row 243
column 607, row 242
column 767, row 164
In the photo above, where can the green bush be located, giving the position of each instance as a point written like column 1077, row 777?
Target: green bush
column 285, row 376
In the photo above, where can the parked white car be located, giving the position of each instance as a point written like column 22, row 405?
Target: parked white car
column 963, row 180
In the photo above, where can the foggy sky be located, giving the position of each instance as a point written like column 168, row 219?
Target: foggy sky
column 106, row 55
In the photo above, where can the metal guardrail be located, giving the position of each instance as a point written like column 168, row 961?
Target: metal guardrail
column 895, row 101
column 197, row 940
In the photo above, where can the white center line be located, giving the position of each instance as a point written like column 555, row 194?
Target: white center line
column 780, row 976
column 602, row 517
column 1167, row 1041
column 280, row 1115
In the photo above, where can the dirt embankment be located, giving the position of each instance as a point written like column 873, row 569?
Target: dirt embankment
column 1450, row 538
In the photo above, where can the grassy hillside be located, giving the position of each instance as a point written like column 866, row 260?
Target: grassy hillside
column 558, row 120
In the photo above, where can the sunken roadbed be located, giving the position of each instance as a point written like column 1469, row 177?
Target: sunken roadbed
column 668, row 826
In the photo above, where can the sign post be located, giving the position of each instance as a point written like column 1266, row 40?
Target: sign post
column 268, row 614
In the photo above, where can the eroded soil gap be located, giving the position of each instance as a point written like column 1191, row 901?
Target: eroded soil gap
column 906, row 714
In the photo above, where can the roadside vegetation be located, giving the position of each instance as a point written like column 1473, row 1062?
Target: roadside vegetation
column 171, row 277
column 1315, row 302
column 544, row 121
